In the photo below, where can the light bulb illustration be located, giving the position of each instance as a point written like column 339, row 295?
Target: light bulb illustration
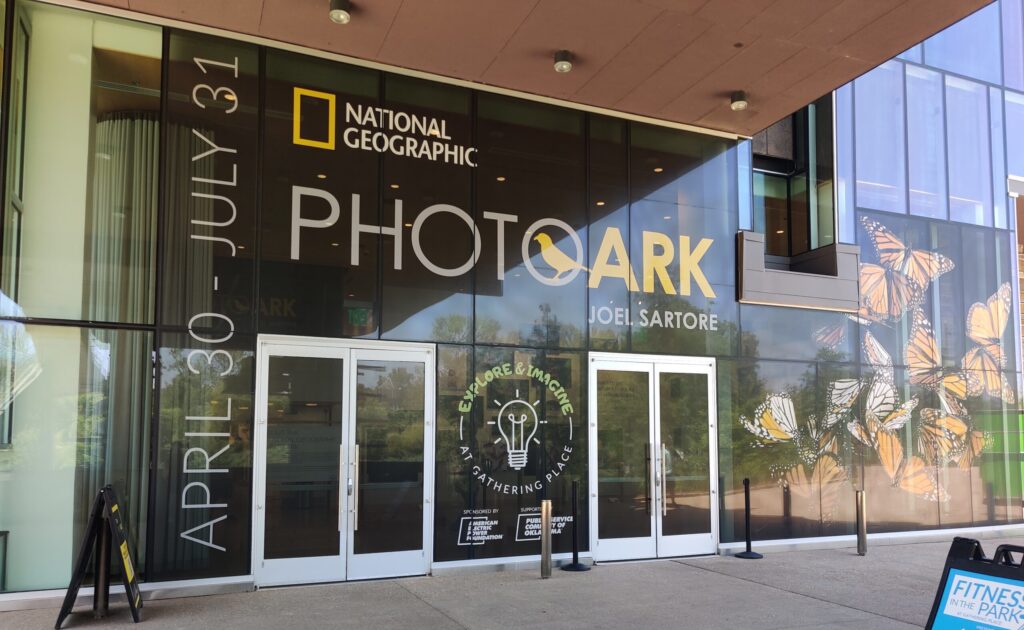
column 517, row 422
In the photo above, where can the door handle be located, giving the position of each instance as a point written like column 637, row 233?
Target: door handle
column 355, row 501
column 647, row 475
column 342, row 475
column 664, row 482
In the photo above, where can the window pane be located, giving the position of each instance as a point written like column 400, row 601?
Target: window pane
column 822, row 174
column 970, row 47
column 999, row 197
column 844, row 164
column 609, row 210
column 771, row 198
column 926, row 148
column 743, row 160
column 881, row 179
column 912, row 54
column 81, row 416
column 1013, row 44
column 1015, row 133
column 533, row 165
column 417, row 303
column 967, row 129
column 321, row 287
column 81, row 213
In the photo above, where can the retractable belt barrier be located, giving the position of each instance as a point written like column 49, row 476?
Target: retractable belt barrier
column 977, row 592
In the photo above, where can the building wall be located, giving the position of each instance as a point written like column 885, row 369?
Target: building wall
column 145, row 315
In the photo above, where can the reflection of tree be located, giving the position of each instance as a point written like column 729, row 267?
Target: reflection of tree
column 390, row 414
column 456, row 328
column 548, row 332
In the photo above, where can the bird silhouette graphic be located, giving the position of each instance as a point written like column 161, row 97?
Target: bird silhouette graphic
column 555, row 258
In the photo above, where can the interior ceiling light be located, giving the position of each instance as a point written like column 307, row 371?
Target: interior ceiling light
column 563, row 61
column 738, row 101
column 341, row 11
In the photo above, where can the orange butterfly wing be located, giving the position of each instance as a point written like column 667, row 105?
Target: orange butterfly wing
column 887, row 294
column 925, row 362
column 917, row 478
column 918, row 265
column 986, row 324
column 890, row 452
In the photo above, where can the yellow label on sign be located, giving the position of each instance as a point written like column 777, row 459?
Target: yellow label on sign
column 127, row 561
column 113, row 509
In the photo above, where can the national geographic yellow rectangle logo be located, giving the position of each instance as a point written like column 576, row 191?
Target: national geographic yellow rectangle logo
column 297, row 137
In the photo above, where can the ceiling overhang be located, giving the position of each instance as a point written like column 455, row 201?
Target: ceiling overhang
column 675, row 60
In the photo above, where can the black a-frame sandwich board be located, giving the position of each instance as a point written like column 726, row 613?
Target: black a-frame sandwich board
column 106, row 526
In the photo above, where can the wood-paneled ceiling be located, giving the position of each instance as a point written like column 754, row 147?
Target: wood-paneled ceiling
column 676, row 60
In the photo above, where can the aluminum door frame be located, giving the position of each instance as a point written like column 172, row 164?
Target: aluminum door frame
column 652, row 364
column 346, row 349
column 395, row 563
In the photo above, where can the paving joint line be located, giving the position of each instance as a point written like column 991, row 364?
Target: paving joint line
column 771, row 586
column 443, row 612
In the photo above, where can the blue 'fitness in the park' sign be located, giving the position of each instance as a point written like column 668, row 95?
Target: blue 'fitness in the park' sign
column 971, row 601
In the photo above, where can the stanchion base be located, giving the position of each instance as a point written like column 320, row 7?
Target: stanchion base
column 575, row 566
column 748, row 555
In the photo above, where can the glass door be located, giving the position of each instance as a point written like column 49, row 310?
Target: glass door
column 686, row 447
column 391, row 394
column 300, row 533
column 344, row 444
column 653, row 468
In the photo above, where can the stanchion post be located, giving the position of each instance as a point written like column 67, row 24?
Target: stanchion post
column 545, row 538
column 576, row 564
column 101, row 585
column 748, row 554
column 862, row 524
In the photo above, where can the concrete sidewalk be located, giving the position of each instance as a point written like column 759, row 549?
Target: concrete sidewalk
column 891, row 587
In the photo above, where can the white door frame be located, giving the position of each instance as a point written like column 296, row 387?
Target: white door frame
column 342, row 567
column 656, row 545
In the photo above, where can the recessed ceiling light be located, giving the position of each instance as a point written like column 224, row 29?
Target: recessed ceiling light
column 241, row 247
column 408, row 225
column 500, row 178
column 311, row 404
column 321, row 176
column 563, row 61
column 395, row 186
column 335, row 244
column 341, row 11
column 666, row 217
column 600, row 203
column 658, row 169
column 780, row 231
column 738, row 101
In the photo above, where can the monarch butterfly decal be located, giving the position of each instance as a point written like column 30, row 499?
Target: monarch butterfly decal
column 774, row 420
column 894, row 287
column 986, row 324
column 925, row 362
column 908, row 473
column 887, row 294
column 878, row 358
column 919, row 266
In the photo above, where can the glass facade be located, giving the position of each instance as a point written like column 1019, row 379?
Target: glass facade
column 170, row 199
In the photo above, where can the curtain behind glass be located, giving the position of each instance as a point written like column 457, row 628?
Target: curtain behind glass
column 114, row 412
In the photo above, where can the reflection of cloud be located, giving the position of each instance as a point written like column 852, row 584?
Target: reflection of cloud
column 19, row 363
column 99, row 352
